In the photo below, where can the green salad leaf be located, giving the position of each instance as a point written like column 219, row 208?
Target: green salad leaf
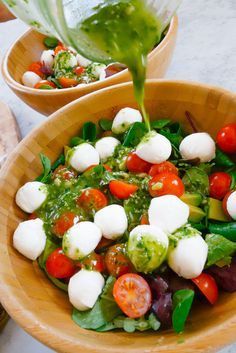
column 105, row 124
column 219, row 249
column 134, row 134
column 196, row 180
column 222, row 160
column 75, row 141
column 182, row 303
column 89, row 131
column 46, row 163
column 135, row 206
column 160, row 124
column 50, row 42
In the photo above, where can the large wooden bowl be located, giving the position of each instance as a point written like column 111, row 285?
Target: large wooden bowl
column 42, row 309
column 28, row 48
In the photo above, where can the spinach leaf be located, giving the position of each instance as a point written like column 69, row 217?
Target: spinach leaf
column 182, row 303
column 50, row 42
column 160, row 124
column 75, row 141
column 89, row 131
column 60, row 160
column 233, row 177
column 134, row 134
column 46, row 163
column 105, row 124
column 135, row 207
column 196, row 180
column 49, row 248
column 174, row 138
column 103, row 312
column 219, row 248
column 222, row 160
column 59, row 284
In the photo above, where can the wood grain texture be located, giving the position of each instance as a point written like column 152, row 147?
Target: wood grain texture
column 43, row 310
column 28, row 48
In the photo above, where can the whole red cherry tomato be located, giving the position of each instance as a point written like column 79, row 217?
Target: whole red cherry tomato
column 219, row 184
column 226, row 138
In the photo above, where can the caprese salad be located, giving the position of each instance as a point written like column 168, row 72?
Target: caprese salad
column 137, row 226
column 62, row 67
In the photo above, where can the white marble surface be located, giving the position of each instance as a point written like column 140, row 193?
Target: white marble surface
column 206, row 52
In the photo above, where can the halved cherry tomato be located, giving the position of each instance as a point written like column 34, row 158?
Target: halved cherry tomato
column 64, row 222
column 207, row 286
column 137, row 165
column 133, row 295
column 92, row 199
column 59, row 48
column 64, row 173
column 121, row 189
column 164, row 167
column 93, row 262
column 144, row 219
column 58, row 265
column 166, row 184
column 117, row 263
column 36, row 67
column 67, row 82
column 224, row 203
column 226, row 138
column 219, row 184
column 79, row 70
column 45, row 84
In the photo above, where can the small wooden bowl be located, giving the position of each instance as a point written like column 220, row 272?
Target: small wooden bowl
column 31, row 299
column 28, row 48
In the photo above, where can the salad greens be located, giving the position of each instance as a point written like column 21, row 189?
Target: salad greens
column 220, row 249
column 182, row 303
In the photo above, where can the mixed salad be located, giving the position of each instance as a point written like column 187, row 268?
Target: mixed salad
column 63, row 67
column 137, row 226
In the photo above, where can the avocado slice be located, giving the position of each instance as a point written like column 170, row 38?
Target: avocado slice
column 194, row 199
column 216, row 211
column 196, row 214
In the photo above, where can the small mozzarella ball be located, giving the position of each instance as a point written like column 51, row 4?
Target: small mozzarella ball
column 147, row 247
column 30, row 79
column 82, row 61
column 188, row 258
column 30, row 239
column 31, row 196
column 47, row 58
column 81, row 239
column 83, row 156
column 199, row 145
column 168, row 213
column 106, row 147
column 84, row 289
column 154, row 148
column 124, row 118
column 98, row 70
column 231, row 205
column 112, row 221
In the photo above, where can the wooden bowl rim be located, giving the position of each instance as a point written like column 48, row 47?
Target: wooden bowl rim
column 20, row 87
column 46, row 334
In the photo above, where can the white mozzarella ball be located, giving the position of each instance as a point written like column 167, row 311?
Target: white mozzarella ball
column 231, row 205
column 154, row 148
column 47, row 58
column 30, row 239
column 106, row 147
column 83, row 156
column 30, row 79
column 99, row 71
column 168, row 212
column 124, row 118
column 112, row 221
column 84, row 289
column 81, row 239
column 31, row 196
column 188, row 258
column 198, row 145
column 82, row 61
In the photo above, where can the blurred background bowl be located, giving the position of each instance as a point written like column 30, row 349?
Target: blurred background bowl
column 31, row 299
column 28, row 48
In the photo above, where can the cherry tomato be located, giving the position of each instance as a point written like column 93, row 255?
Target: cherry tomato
column 164, row 167
column 224, row 203
column 64, row 222
column 107, row 133
column 121, row 189
column 226, row 138
column 117, row 263
column 133, row 295
column 113, row 69
column 36, row 67
column 58, row 265
column 92, row 199
column 67, row 82
column 64, row 173
column 45, row 84
column 59, row 48
column 93, row 262
column 144, row 219
column 207, row 286
column 219, row 184
column 166, row 184
column 137, row 165
column 79, row 70
column 104, row 243
column 33, row 216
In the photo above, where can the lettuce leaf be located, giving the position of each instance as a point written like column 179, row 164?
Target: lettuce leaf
column 219, row 249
